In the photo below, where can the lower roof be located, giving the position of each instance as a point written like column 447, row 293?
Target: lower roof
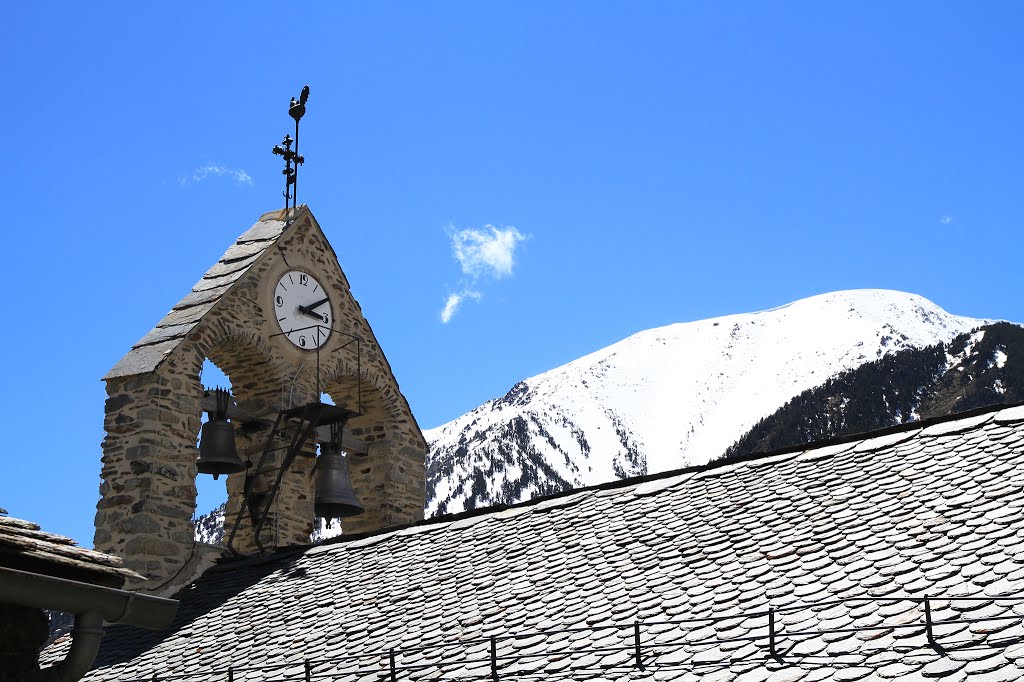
column 24, row 546
column 805, row 565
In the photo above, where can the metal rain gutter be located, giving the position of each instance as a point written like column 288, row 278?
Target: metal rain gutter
column 92, row 605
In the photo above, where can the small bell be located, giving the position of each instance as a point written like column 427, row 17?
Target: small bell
column 334, row 495
column 217, row 453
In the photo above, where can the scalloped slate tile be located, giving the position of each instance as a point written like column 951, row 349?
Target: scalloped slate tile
column 935, row 512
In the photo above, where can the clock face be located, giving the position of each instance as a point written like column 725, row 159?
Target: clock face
column 303, row 310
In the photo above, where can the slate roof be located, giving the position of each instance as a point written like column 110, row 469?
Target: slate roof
column 835, row 539
column 26, row 547
column 149, row 351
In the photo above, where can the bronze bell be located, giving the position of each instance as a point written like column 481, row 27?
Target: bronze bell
column 334, row 495
column 217, row 453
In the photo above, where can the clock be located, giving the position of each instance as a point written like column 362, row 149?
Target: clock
column 303, row 310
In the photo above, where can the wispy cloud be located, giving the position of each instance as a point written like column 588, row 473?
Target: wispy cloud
column 946, row 219
column 212, row 169
column 486, row 253
column 454, row 301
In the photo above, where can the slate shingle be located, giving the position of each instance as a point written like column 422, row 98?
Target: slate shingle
column 26, row 547
column 932, row 510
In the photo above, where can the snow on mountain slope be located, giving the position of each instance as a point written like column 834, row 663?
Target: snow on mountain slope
column 210, row 528
column 667, row 397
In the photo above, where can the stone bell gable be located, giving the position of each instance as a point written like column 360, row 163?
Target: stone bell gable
column 153, row 411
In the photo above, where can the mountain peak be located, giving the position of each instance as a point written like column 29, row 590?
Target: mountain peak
column 668, row 397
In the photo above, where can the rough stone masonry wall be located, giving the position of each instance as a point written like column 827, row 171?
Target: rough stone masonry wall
column 152, row 419
column 148, row 492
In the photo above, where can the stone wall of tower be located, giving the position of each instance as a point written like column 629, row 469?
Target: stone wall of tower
column 148, row 491
column 152, row 417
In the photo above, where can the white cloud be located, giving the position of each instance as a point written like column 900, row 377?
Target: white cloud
column 485, row 253
column 199, row 174
column 488, row 251
column 451, row 305
column 946, row 219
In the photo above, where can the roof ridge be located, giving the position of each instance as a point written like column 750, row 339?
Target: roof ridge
column 625, row 483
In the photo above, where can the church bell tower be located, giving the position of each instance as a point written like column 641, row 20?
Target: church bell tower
column 276, row 314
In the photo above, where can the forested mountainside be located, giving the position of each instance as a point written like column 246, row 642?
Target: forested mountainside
column 975, row 369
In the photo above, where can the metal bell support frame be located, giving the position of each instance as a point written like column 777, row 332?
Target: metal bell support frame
column 217, row 453
column 334, row 495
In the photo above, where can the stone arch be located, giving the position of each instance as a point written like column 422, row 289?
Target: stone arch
column 249, row 362
column 263, row 384
column 256, row 380
column 352, row 383
column 387, row 475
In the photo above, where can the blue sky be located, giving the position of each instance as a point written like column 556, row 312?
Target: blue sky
column 603, row 167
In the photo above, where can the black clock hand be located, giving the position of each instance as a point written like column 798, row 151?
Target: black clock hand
column 309, row 311
column 315, row 305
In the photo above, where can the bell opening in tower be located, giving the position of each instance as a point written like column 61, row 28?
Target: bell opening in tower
column 211, row 493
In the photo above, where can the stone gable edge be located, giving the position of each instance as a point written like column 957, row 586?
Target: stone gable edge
column 147, row 354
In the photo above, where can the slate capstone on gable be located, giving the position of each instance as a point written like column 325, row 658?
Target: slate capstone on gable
column 841, row 541
column 152, row 415
column 185, row 315
column 25, row 546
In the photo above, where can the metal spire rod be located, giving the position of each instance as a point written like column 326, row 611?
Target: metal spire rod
column 296, row 109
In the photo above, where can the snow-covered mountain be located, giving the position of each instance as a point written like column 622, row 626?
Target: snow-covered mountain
column 667, row 397
column 210, row 528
